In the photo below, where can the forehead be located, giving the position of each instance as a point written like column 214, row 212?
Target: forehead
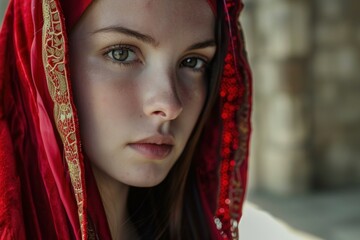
column 151, row 16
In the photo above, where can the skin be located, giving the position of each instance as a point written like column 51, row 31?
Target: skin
column 138, row 71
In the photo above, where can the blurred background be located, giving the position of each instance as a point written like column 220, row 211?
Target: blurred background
column 305, row 155
column 305, row 149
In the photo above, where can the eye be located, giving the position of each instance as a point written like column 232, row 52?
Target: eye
column 194, row 63
column 122, row 54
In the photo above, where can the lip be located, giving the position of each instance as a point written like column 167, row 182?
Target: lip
column 154, row 147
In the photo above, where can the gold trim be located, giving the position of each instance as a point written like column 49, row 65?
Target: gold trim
column 53, row 54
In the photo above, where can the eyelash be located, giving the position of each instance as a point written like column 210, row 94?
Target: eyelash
column 134, row 50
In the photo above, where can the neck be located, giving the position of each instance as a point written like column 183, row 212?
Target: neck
column 114, row 197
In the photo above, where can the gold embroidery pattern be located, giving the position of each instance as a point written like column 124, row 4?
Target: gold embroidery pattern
column 56, row 75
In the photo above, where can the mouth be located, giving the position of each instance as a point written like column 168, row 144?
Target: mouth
column 154, row 147
column 151, row 150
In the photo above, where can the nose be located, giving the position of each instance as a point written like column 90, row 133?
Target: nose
column 162, row 98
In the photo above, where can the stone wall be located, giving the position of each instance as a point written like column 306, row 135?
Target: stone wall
column 304, row 56
column 336, row 74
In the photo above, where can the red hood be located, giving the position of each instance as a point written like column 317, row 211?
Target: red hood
column 39, row 128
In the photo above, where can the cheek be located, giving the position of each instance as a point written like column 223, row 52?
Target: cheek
column 102, row 107
column 193, row 99
column 193, row 90
column 99, row 91
column 196, row 100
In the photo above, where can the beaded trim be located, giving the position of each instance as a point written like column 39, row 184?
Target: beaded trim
column 235, row 95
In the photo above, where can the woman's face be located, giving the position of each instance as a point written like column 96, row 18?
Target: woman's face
column 138, row 72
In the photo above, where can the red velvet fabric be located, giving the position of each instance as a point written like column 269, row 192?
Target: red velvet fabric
column 73, row 10
column 37, row 200
column 29, row 146
column 38, row 197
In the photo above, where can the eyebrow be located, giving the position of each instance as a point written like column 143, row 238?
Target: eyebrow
column 118, row 29
column 204, row 44
column 150, row 40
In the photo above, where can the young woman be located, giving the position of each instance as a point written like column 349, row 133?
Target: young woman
column 123, row 119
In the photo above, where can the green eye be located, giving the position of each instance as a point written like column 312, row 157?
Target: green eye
column 194, row 63
column 122, row 55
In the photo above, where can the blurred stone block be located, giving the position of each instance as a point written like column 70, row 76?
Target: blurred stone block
column 283, row 28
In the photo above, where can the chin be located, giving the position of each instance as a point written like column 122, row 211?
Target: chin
column 144, row 182
column 148, row 177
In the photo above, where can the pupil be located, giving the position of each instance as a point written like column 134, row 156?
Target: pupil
column 120, row 54
column 191, row 62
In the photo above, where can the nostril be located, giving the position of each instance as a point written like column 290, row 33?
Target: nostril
column 161, row 113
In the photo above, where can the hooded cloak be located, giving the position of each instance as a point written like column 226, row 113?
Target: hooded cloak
column 47, row 190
